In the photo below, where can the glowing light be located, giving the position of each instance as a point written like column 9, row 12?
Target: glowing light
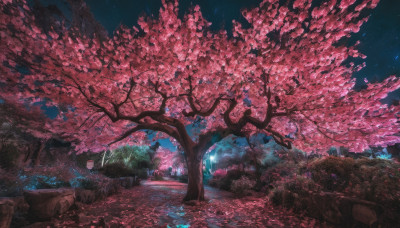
column 212, row 158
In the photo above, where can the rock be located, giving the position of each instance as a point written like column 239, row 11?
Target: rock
column 6, row 212
column 127, row 182
column 136, row 181
column 20, row 204
column 47, row 203
column 364, row 214
column 85, row 196
column 21, row 208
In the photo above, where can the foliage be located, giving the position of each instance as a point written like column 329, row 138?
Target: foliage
column 157, row 175
column 375, row 180
column 44, row 182
column 242, row 185
column 134, row 157
column 333, row 172
column 141, row 173
column 183, row 178
column 277, row 173
column 219, row 173
column 224, row 181
column 114, row 170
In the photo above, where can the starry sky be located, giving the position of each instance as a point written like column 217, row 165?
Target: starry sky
column 379, row 37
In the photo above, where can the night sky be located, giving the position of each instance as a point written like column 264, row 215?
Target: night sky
column 379, row 37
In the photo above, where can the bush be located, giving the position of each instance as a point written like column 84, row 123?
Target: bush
column 142, row 173
column 374, row 180
column 276, row 195
column 333, row 172
column 231, row 175
column 274, row 175
column 219, row 173
column 183, row 178
column 242, row 185
column 158, row 175
column 44, row 182
column 114, row 170
column 134, row 157
column 223, row 180
column 85, row 183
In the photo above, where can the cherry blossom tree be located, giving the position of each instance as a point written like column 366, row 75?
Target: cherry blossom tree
column 287, row 74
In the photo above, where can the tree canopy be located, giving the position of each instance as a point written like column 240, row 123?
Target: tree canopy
column 287, row 74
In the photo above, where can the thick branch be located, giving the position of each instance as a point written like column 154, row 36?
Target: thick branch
column 208, row 139
column 280, row 139
column 155, row 127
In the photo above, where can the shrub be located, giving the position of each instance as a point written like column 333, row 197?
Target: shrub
column 223, row 180
column 141, row 173
column 374, row 180
column 85, row 183
column 158, row 175
column 220, row 173
column 134, row 157
column 114, row 170
column 226, row 181
column 242, row 185
column 275, row 174
column 43, row 182
column 183, row 178
column 276, row 195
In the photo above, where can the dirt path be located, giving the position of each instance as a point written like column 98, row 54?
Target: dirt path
column 159, row 204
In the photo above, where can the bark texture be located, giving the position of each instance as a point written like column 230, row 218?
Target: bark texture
column 195, row 190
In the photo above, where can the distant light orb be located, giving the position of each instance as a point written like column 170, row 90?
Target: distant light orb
column 212, row 158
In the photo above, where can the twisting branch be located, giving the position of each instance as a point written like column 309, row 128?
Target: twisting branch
column 280, row 139
column 196, row 111
column 155, row 127
column 103, row 109
column 209, row 138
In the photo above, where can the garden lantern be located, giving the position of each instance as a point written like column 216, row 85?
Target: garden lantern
column 90, row 164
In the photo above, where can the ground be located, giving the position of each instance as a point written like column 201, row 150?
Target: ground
column 159, row 204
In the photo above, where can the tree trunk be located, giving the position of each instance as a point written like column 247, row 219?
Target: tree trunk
column 195, row 189
column 37, row 154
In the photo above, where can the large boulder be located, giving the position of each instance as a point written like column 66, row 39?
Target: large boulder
column 47, row 203
column 6, row 212
column 364, row 214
